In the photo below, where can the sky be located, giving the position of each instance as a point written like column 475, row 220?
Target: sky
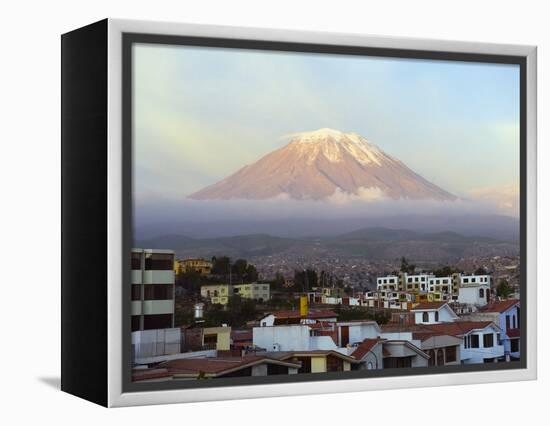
column 200, row 114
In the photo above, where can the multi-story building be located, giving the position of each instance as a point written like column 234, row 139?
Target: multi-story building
column 474, row 289
column 217, row 293
column 466, row 289
column 389, row 282
column 202, row 266
column 152, row 289
column 506, row 314
column 220, row 293
column 256, row 291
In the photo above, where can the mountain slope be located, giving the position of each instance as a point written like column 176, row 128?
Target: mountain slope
column 315, row 165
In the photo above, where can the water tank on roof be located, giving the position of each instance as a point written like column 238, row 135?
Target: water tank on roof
column 199, row 308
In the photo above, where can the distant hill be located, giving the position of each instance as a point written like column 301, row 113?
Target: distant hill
column 376, row 243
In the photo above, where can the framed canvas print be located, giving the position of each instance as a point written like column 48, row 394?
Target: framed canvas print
column 251, row 212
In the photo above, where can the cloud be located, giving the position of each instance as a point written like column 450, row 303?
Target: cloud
column 340, row 197
column 504, row 199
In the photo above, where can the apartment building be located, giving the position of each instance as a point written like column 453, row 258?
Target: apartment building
column 217, row 293
column 254, row 291
column 459, row 288
column 220, row 293
column 152, row 289
column 199, row 265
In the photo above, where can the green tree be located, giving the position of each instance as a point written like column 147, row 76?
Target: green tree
column 191, row 281
column 480, row 271
column 445, row 271
column 251, row 273
column 306, row 279
column 220, row 266
column 406, row 267
column 238, row 268
column 504, row 289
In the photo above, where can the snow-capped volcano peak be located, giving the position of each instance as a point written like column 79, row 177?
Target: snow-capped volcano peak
column 334, row 145
column 317, row 164
column 317, row 135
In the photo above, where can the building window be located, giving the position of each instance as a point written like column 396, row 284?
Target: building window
column 514, row 345
column 450, row 354
column 159, row 262
column 210, row 339
column 436, row 316
column 465, row 280
column 425, row 317
column 513, row 321
column 481, row 293
column 488, row 340
column 507, row 322
column 154, row 322
column 499, row 342
column 474, row 341
column 467, row 342
column 136, row 292
column 135, row 322
column 136, row 261
column 158, row 292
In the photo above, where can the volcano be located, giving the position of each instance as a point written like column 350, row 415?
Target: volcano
column 319, row 164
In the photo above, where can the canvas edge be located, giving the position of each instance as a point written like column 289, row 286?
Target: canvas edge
column 116, row 397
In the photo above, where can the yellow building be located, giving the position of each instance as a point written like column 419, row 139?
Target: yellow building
column 202, row 266
column 254, row 291
column 220, row 337
column 220, row 293
column 217, row 293
column 321, row 361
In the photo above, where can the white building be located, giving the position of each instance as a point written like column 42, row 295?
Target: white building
column 389, row 282
column 152, row 289
column 290, row 338
column 354, row 332
column 433, row 313
column 474, row 289
column 481, row 340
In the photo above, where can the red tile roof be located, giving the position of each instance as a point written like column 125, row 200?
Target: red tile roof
column 365, row 347
column 149, row 374
column 426, row 306
column 458, row 328
column 217, row 366
column 499, row 306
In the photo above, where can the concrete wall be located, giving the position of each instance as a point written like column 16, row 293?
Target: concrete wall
column 322, row 343
column 287, row 337
column 151, row 307
column 360, row 332
column 259, row 370
column 151, row 343
column 158, row 277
